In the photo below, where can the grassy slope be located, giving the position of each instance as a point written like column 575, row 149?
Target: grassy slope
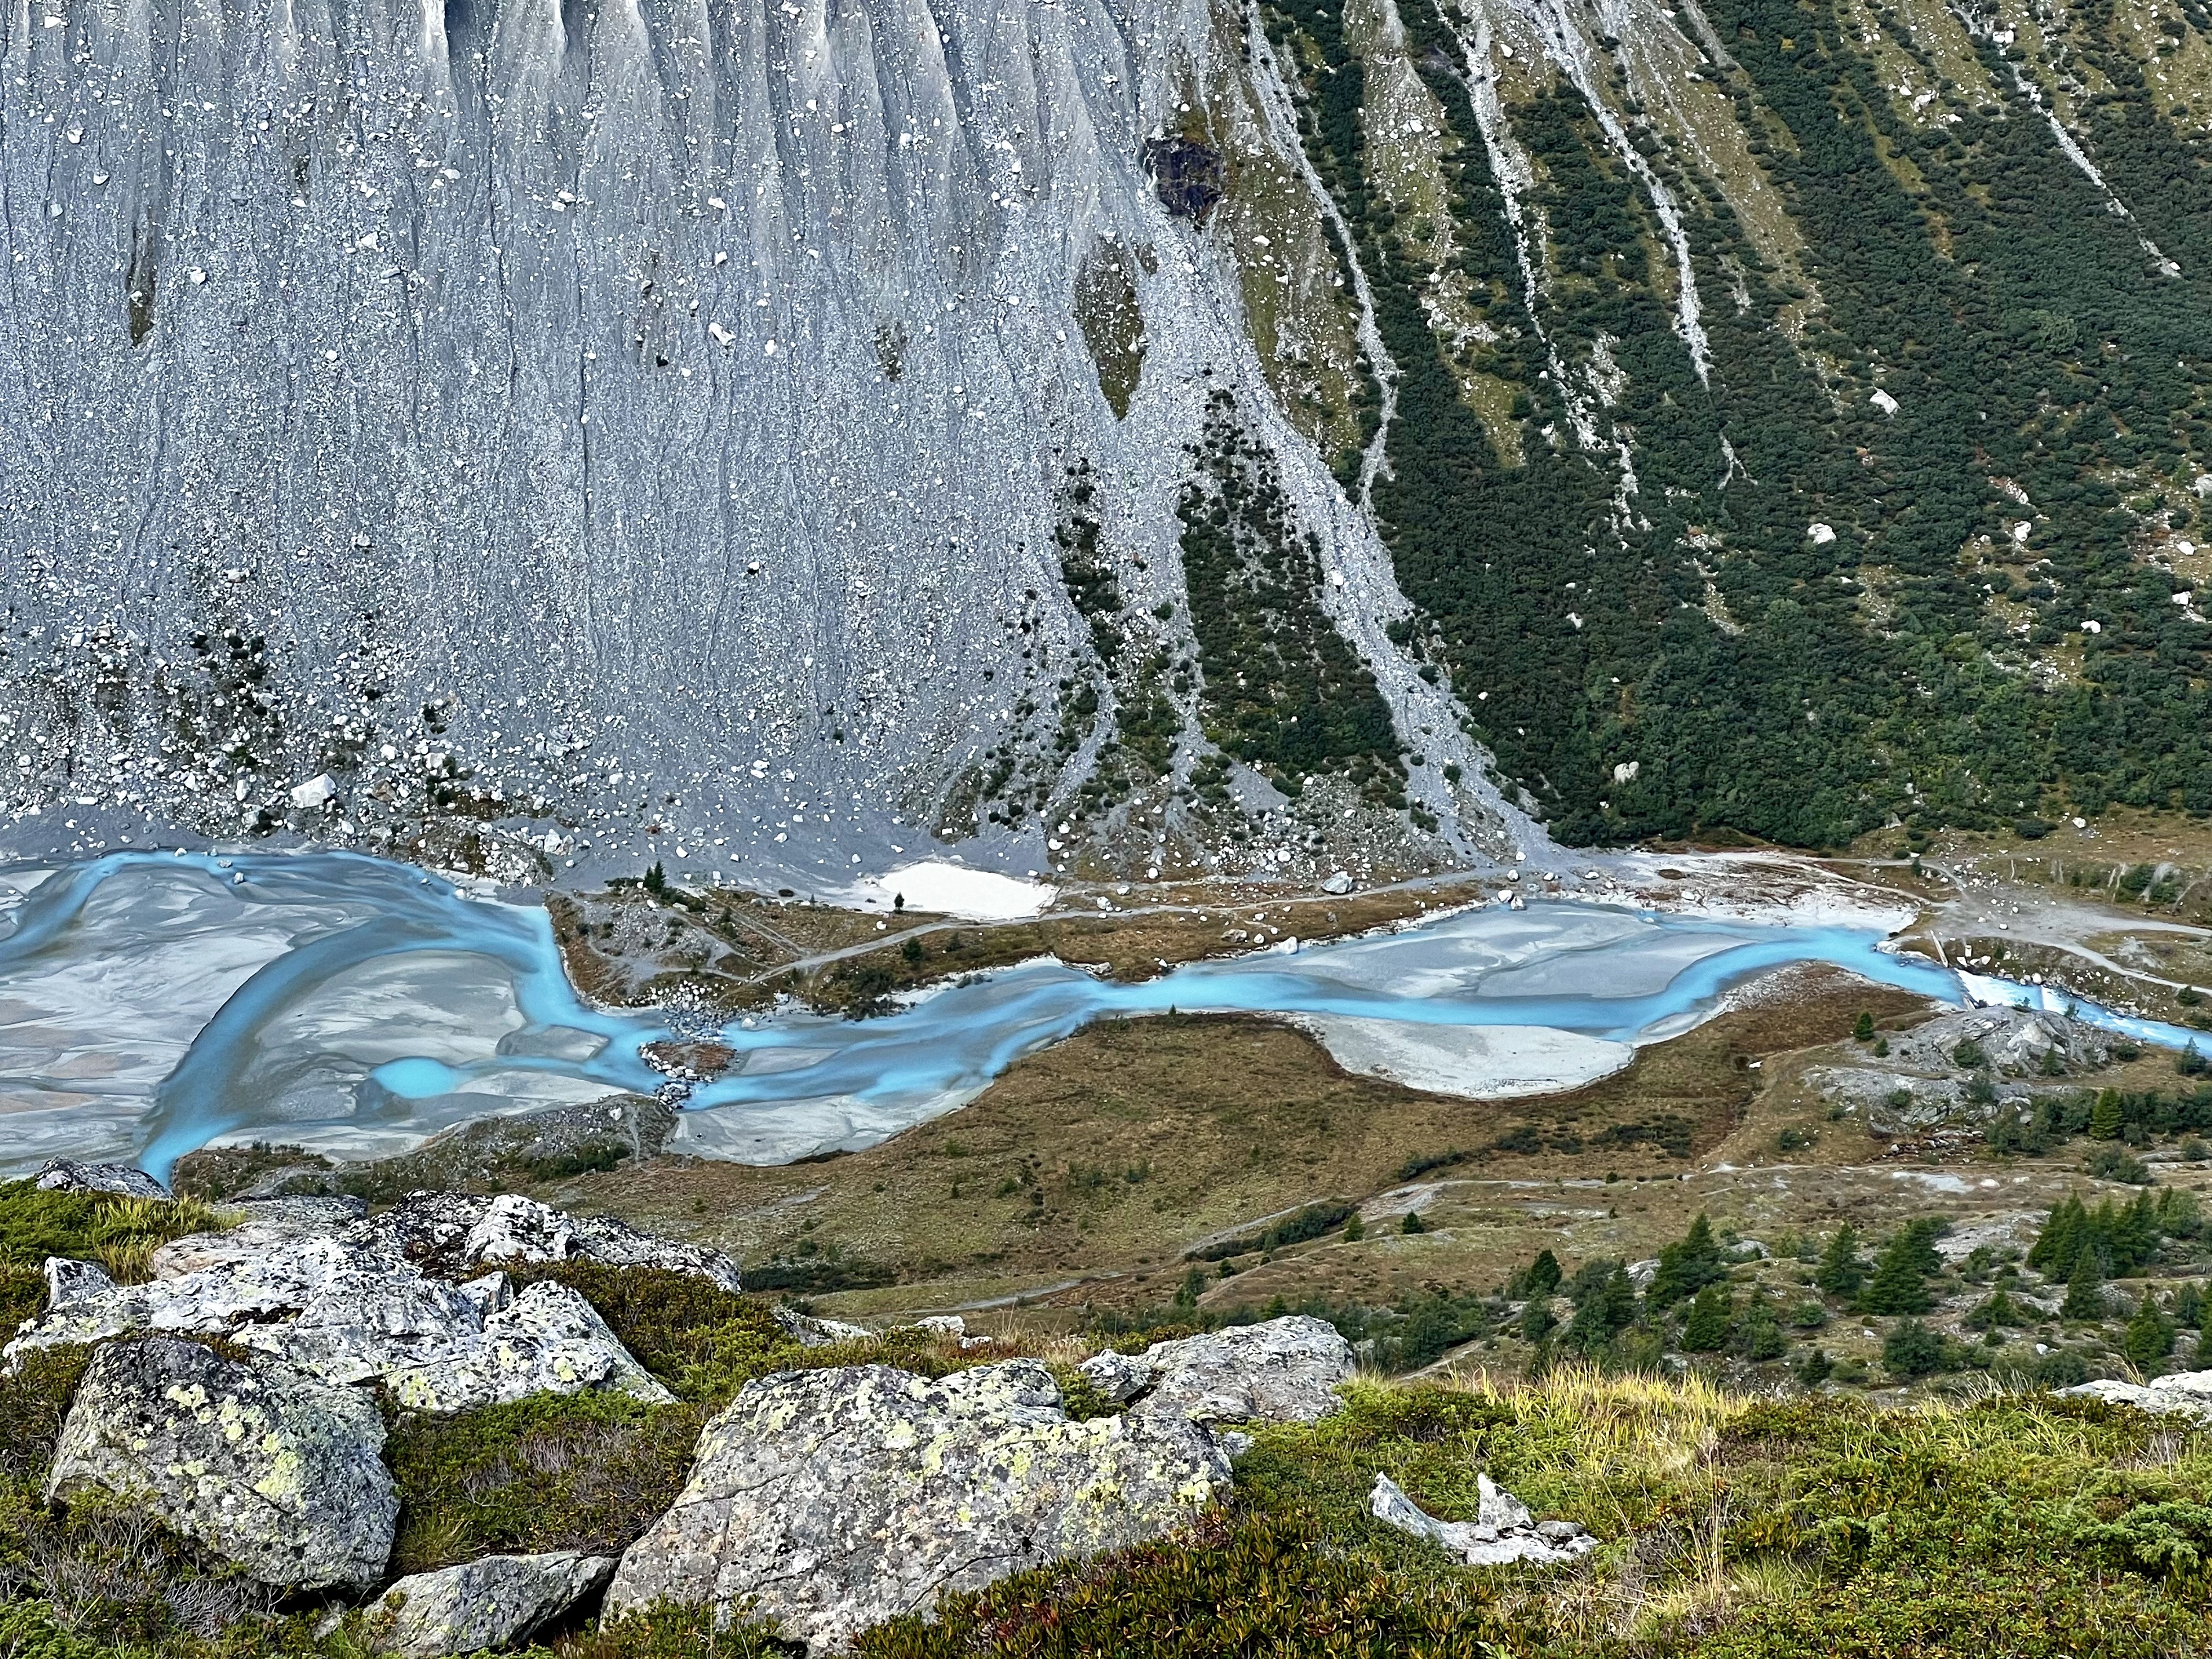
column 1222, row 1120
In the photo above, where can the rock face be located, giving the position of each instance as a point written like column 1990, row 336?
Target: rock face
column 65, row 1175
column 548, row 1340
column 1285, row 1370
column 1502, row 1531
column 1922, row 1084
column 2188, row 1394
column 453, row 1232
column 344, row 1306
column 271, row 1470
column 840, row 1497
column 491, row 1603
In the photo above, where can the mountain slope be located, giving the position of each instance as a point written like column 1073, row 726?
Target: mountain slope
column 792, row 430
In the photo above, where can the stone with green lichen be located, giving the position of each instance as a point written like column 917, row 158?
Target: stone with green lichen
column 831, row 1500
column 270, row 1469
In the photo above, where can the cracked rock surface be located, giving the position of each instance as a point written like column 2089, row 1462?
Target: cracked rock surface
column 493, row 1603
column 453, row 1232
column 1282, row 1370
column 67, row 1175
column 838, row 1498
column 346, row 1308
column 275, row 1471
column 2187, row 1394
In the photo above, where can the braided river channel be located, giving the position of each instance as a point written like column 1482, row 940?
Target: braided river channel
column 152, row 1003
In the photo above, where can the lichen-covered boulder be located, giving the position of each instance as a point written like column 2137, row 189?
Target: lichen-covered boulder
column 493, row 1602
column 1284, row 1371
column 548, row 1340
column 270, row 1469
column 67, row 1175
column 454, row 1232
column 343, row 1312
column 836, row 1499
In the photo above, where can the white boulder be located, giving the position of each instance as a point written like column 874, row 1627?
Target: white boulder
column 1502, row 1531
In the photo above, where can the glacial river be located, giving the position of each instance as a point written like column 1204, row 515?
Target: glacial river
column 151, row 1004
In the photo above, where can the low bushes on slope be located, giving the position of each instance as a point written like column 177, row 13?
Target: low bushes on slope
column 2014, row 1524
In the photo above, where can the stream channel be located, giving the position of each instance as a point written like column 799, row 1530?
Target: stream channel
column 152, row 1003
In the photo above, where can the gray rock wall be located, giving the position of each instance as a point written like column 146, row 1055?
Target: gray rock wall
column 670, row 397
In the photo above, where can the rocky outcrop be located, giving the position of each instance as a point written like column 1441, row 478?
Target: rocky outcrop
column 1285, row 1370
column 1503, row 1530
column 494, row 1602
column 453, row 1233
column 809, row 1332
column 66, row 1174
column 2187, row 1394
column 834, row 1499
column 268, row 1468
column 547, row 1340
column 343, row 1307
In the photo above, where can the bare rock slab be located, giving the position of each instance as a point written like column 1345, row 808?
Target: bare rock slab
column 1283, row 1371
column 493, row 1602
column 67, row 1175
column 272, row 1470
column 2186, row 1394
column 837, row 1499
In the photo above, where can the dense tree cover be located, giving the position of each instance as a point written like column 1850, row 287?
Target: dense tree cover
column 1920, row 663
column 1282, row 691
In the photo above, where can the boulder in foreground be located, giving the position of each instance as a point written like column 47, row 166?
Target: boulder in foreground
column 837, row 1499
column 269, row 1469
column 493, row 1602
column 1284, row 1371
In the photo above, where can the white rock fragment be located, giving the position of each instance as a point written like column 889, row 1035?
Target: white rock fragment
column 1820, row 534
column 1502, row 1531
column 1883, row 401
column 318, row 791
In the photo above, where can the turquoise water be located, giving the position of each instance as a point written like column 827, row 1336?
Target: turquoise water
column 1603, row 973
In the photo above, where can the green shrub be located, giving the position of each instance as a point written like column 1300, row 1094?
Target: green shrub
column 1912, row 1350
column 118, row 1233
column 585, row 1472
column 1243, row 1583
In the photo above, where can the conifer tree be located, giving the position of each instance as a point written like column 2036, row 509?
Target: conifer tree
column 2055, row 1247
column 1864, row 1030
column 2134, row 1234
column 1897, row 1286
column 1706, row 1329
column 2104, row 1116
column 2149, row 1338
column 1541, row 1278
column 1536, row 1320
column 1761, row 1330
column 1919, row 1242
column 1688, row 1265
column 2085, row 1297
column 2189, row 1306
column 1841, row 1271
